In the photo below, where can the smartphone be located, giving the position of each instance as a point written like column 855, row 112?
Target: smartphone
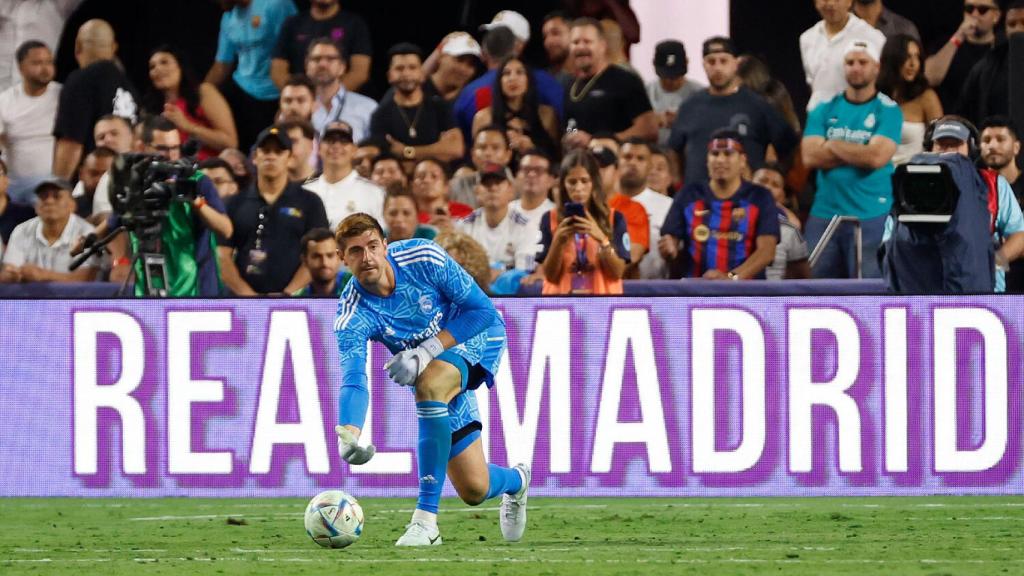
column 573, row 209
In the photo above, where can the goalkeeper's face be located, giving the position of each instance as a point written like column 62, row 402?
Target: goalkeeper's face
column 365, row 256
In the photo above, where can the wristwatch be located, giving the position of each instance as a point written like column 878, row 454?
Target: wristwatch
column 409, row 152
column 732, row 275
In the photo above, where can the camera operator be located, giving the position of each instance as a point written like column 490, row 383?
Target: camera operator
column 956, row 135
column 187, row 240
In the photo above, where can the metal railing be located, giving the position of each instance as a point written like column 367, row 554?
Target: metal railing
column 830, row 231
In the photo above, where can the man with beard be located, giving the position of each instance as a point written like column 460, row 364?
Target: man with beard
column 457, row 58
column 726, row 103
column 296, row 100
column 986, row 92
column 321, row 258
column 415, row 123
column 948, row 66
column 603, row 98
column 850, row 139
column 27, row 113
column 634, row 168
column 1000, row 147
column 821, row 47
column 556, row 44
column 325, row 19
column 325, row 66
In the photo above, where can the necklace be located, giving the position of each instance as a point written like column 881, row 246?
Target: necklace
column 415, row 118
column 577, row 96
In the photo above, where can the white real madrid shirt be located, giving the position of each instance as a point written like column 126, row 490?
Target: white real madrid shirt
column 347, row 196
column 652, row 266
column 27, row 245
column 511, row 244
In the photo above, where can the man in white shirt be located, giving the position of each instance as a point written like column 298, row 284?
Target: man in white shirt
column 40, row 249
column 503, row 232
column 634, row 167
column 534, row 181
column 822, row 47
column 24, row 20
column 27, row 113
column 342, row 190
column 325, row 65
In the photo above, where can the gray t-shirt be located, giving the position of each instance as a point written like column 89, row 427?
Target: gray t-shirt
column 663, row 101
column 791, row 248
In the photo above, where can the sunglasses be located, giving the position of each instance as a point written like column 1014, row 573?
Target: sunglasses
column 979, row 8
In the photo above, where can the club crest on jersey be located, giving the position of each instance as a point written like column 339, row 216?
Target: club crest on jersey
column 426, row 305
column 738, row 214
column 869, row 122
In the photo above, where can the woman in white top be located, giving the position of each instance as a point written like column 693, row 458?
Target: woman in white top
column 902, row 79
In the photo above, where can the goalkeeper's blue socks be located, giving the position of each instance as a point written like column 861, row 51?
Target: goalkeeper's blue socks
column 435, row 443
column 503, row 481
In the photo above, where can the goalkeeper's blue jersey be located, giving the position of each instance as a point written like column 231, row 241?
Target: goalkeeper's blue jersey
column 432, row 293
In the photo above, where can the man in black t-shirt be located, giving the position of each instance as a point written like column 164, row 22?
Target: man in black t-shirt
column 603, row 98
column 263, row 256
column 947, row 68
column 726, row 103
column 325, row 18
column 99, row 87
column 416, row 123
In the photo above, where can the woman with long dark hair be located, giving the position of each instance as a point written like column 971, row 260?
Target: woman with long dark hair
column 198, row 110
column 584, row 243
column 901, row 77
column 516, row 108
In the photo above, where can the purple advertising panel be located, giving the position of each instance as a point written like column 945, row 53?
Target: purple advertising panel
column 610, row 396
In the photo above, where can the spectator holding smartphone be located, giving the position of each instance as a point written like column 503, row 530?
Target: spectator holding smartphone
column 584, row 243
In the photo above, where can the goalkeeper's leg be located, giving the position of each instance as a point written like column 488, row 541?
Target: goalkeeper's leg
column 438, row 383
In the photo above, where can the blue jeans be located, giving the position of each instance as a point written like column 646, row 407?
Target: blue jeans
column 839, row 260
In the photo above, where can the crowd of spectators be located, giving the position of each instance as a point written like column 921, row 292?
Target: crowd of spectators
column 572, row 177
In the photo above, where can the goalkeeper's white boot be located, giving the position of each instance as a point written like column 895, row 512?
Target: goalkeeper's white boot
column 513, row 508
column 420, row 533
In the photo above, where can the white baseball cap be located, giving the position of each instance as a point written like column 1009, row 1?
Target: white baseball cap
column 512, row 20
column 461, row 44
column 863, row 46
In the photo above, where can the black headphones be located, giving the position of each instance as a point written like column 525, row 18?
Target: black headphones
column 973, row 141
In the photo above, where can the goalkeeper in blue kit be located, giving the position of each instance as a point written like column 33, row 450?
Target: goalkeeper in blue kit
column 447, row 340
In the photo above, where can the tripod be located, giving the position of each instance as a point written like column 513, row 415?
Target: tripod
column 154, row 268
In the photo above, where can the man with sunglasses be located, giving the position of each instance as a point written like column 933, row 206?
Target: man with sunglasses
column 986, row 92
column 947, row 68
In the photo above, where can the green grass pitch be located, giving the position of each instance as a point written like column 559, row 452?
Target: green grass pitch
column 928, row 536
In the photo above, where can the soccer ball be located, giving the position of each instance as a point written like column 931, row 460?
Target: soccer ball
column 334, row 519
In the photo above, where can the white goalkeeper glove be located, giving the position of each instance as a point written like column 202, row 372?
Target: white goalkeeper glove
column 350, row 450
column 407, row 365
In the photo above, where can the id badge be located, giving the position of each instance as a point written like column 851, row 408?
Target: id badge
column 257, row 262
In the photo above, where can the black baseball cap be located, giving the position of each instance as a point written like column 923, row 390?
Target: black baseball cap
column 718, row 45
column 670, row 59
column 274, row 133
column 605, row 156
column 338, row 131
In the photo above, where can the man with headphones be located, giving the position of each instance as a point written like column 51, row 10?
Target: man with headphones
column 952, row 134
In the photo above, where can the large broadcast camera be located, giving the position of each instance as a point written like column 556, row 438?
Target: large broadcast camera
column 941, row 239
column 143, row 188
